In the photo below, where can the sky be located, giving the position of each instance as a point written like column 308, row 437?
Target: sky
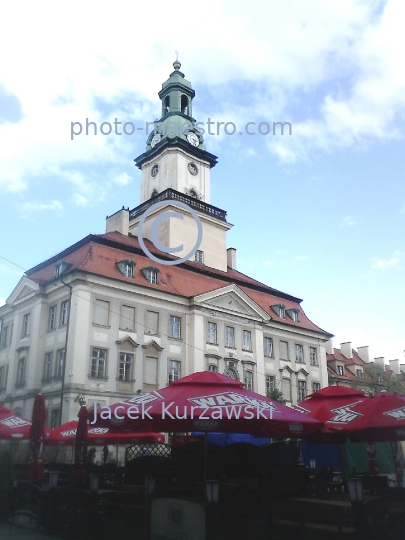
column 318, row 213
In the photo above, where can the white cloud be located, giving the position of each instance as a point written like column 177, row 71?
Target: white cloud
column 31, row 207
column 121, row 179
column 347, row 221
column 281, row 50
column 378, row 339
column 80, row 200
column 385, row 264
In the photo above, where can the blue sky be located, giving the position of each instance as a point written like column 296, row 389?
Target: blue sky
column 319, row 214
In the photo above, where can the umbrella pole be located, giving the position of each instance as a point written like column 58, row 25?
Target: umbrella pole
column 205, row 457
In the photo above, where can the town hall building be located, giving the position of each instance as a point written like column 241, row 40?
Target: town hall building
column 103, row 321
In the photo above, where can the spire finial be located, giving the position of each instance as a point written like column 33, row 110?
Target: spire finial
column 176, row 63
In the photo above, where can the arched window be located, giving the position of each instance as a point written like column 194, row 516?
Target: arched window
column 167, row 105
column 184, row 104
column 154, row 193
column 193, row 193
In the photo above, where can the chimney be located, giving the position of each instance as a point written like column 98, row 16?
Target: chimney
column 394, row 365
column 329, row 346
column 346, row 349
column 380, row 361
column 231, row 258
column 118, row 222
column 364, row 353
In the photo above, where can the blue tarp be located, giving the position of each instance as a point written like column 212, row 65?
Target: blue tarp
column 224, row 439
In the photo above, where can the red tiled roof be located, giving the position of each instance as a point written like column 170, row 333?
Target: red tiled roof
column 98, row 254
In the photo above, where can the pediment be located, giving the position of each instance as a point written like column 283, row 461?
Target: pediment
column 232, row 301
column 24, row 288
column 127, row 339
column 152, row 343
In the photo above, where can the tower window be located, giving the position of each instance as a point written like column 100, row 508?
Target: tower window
column 154, row 193
column 155, row 170
column 167, row 105
column 193, row 193
column 184, row 104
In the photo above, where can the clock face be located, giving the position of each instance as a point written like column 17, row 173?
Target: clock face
column 156, row 139
column 193, row 139
column 231, row 373
column 193, row 169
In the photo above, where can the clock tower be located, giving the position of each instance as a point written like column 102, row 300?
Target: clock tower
column 176, row 166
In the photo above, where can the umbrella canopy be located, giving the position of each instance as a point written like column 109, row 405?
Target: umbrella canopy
column 348, row 412
column 15, row 427
column 65, row 435
column 207, row 401
column 37, row 436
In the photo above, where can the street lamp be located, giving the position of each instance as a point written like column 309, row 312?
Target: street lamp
column 212, row 490
column 355, row 487
column 94, row 483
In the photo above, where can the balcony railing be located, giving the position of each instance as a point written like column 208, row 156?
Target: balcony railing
column 172, row 194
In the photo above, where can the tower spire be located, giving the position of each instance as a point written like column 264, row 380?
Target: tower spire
column 176, row 63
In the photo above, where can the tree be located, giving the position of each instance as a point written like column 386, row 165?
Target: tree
column 276, row 395
column 375, row 382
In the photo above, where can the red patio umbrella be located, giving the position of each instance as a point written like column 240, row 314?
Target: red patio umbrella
column 348, row 412
column 12, row 426
column 65, row 435
column 207, row 401
column 37, row 436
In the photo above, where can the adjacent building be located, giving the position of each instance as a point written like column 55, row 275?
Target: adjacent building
column 104, row 320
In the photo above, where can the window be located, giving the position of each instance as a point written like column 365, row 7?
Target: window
column 154, row 193
column 152, row 276
column 4, row 337
column 58, row 270
column 283, row 350
column 316, row 386
column 299, row 354
column 127, row 320
column 199, row 256
column 55, row 418
column 270, row 384
column 248, row 380
column 230, row 336
column 26, row 325
column 247, row 340
column 98, row 363
column 212, row 332
column 150, row 370
column 213, row 368
column 48, row 366
column 174, row 370
column 101, row 313
column 3, row 377
column 22, row 364
column 125, row 369
column 339, row 370
column 286, row 388
column 279, row 309
column 268, row 346
column 175, row 323
column 52, row 318
column 59, row 364
column 313, row 357
column 193, row 193
column 64, row 313
column 230, row 372
column 359, row 373
column 378, row 377
column 127, row 268
column 152, row 323
column 293, row 314
column 302, row 390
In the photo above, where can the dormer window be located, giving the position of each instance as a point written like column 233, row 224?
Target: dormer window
column 199, row 256
column 279, row 309
column 60, row 267
column 127, row 268
column 151, row 274
column 293, row 314
column 359, row 373
column 340, row 370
